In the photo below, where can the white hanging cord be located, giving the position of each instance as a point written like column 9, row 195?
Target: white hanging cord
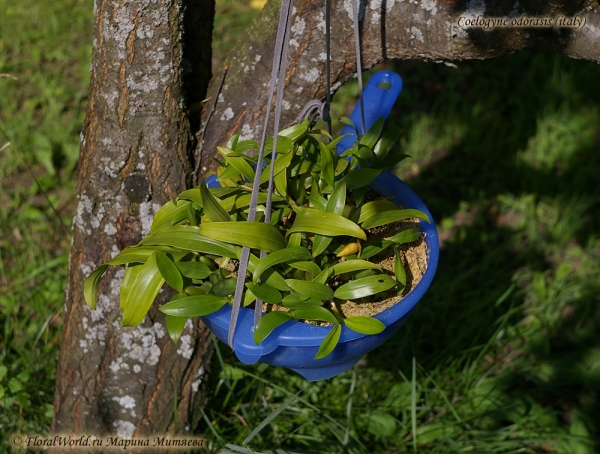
column 355, row 23
column 281, row 45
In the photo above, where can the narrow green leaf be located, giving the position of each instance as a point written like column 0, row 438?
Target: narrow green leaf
column 336, row 205
column 310, row 289
column 364, row 325
column 193, row 306
column 318, row 201
column 192, row 195
column 211, row 206
column 255, row 235
column 238, row 162
column 90, row 286
column 244, row 146
column 294, row 240
column 330, row 342
column 361, row 177
column 296, row 301
column 349, row 266
column 189, row 238
column 399, row 270
column 295, row 132
column 169, row 271
column 366, row 286
column 323, row 276
column 372, row 135
column 175, row 326
column 224, row 287
column 308, row 266
column 163, row 216
column 147, row 284
column 387, row 142
column 127, row 283
column 237, row 201
column 387, row 217
column 288, row 254
column 271, row 277
column 280, row 181
column 228, row 173
column 268, row 322
column 265, row 292
column 324, row 223
column 375, row 246
column 193, row 270
column 281, row 163
column 327, row 170
column 370, row 209
column 316, row 313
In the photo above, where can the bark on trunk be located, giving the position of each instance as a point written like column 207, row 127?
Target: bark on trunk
column 150, row 63
column 391, row 29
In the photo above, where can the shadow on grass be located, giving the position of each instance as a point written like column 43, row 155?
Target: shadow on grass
column 528, row 130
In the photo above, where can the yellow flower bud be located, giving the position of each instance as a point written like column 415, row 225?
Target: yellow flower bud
column 349, row 249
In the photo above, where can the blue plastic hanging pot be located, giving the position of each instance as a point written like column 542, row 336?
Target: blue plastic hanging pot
column 294, row 344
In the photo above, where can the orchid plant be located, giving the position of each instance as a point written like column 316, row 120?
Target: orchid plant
column 318, row 239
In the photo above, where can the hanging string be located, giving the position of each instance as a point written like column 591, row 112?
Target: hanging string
column 281, row 45
column 326, row 115
column 358, row 62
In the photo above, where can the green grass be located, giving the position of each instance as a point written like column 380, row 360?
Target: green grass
column 41, row 112
column 501, row 355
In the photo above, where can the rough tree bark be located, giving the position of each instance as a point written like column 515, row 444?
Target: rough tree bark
column 136, row 153
column 150, row 63
column 391, row 29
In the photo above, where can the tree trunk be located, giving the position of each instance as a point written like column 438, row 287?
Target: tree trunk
column 137, row 153
column 391, row 29
column 150, row 63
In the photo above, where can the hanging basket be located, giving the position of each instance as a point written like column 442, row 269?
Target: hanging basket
column 294, row 344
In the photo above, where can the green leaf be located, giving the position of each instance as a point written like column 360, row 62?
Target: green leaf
column 296, row 301
column 324, row 223
column 399, row 270
column 387, row 217
column 330, row 342
column 336, row 205
column 271, row 277
column 366, row 286
column 237, row 201
column 280, row 181
column 387, row 142
column 308, row 266
column 295, row 132
column 188, row 237
column 148, row 283
column 238, row 162
column 163, row 216
column 193, row 270
column 281, row 163
column 192, row 195
column 379, row 424
column 364, row 325
column 169, row 271
column 224, row 287
column 327, row 170
column 255, row 235
column 310, row 289
column 372, row 135
column 244, row 146
column 3, row 371
column 265, row 292
column 350, row 266
column 211, row 205
column 90, row 286
column 175, row 326
column 317, row 313
column 323, row 276
column 127, row 283
column 375, row 246
column 370, row 209
column 288, row 254
column 361, row 177
column 194, row 306
column 318, row 201
column 268, row 322
column 228, row 173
